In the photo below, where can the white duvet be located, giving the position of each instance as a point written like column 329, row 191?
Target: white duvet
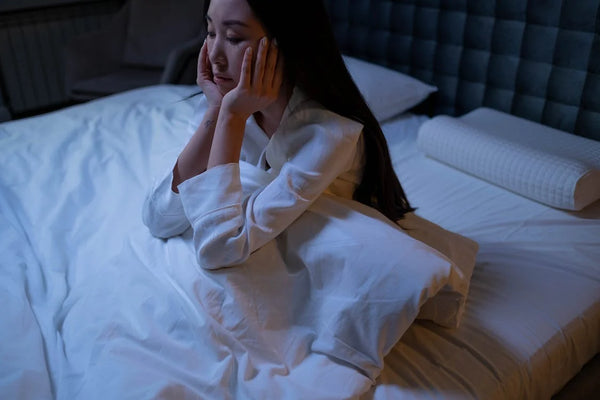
column 95, row 307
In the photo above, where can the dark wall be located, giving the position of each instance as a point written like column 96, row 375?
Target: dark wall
column 32, row 37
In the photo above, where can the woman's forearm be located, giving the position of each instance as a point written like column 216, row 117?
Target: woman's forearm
column 193, row 159
column 227, row 140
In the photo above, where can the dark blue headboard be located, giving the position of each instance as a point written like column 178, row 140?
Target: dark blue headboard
column 538, row 59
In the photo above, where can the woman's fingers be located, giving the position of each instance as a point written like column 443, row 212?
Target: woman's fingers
column 261, row 76
column 200, row 66
column 259, row 67
column 246, row 73
column 204, row 67
column 266, row 73
column 203, row 58
column 273, row 70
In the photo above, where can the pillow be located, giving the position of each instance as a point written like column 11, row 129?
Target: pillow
column 351, row 278
column 368, row 279
column 386, row 91
column 544, row 164
column 447, row 306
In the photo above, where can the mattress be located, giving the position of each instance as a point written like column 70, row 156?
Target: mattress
column 533, row 312
column 72, row 310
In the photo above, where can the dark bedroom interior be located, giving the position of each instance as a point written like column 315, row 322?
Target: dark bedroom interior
column 489, row 288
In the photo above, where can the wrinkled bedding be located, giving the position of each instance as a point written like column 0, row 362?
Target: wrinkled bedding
column 94, row 307
column 532, row 317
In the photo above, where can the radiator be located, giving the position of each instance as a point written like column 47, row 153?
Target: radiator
column 31, row 51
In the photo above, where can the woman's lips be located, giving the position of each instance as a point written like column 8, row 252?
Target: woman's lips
column 220, row 80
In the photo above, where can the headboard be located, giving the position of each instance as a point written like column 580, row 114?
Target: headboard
column 537, row 59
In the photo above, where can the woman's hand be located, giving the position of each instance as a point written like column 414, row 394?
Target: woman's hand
column 258, row 87
column 205, row 79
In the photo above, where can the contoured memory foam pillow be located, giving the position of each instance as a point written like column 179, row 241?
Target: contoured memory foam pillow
column 553, row 167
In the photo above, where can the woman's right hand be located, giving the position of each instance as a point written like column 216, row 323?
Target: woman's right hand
column 205, row 79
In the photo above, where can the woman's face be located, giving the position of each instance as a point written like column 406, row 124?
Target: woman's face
column 232, row 27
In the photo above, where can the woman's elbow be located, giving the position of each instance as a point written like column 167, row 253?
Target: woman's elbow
column 220, row 252
column 164, row 227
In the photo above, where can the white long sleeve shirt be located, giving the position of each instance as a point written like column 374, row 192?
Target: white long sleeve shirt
column 313, row 151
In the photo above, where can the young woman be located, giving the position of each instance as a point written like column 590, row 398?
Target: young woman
column 279, row 97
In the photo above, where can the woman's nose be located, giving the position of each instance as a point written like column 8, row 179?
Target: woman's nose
column 216, row 53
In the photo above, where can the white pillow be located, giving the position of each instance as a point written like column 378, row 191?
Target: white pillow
column 553, row 167
column 386, row 91
column 368, row 279
column 446, row 308
column 351, row 278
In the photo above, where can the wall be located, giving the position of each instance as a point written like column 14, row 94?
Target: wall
column 32, row 37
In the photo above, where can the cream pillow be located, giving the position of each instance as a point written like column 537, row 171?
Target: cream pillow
column 387, row 92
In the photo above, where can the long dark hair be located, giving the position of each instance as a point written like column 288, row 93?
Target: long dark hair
column 314, row 63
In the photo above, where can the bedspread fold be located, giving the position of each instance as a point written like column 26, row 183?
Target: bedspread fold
column 95, row 307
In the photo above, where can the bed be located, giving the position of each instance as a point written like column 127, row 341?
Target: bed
column 95, row 307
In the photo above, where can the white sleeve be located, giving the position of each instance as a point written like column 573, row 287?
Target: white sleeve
column 163, row 212
column 229, row 225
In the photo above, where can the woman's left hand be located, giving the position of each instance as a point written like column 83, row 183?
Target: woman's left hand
column 259, row 85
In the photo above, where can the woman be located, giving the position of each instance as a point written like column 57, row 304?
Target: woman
column 279, row 97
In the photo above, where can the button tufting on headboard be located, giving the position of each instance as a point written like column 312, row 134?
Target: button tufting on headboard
column 537, row 60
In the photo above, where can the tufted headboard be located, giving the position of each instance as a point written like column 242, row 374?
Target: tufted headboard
column 538, row 59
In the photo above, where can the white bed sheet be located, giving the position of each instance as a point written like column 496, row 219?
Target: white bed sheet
column 532, row 318
column 94, row 307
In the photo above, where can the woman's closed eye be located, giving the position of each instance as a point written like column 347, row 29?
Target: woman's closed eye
column 234, row 40
column 230, row 39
